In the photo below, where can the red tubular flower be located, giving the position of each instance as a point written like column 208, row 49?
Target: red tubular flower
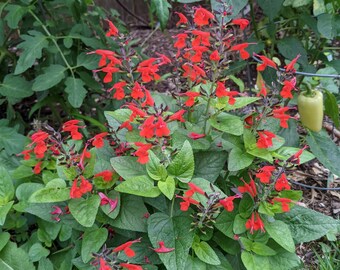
column 178, row 116
column 290, row 66
column 130, row 266
column 119, row 87
column 142, row 152
column 214, row 56
column 106, row 175
column 284, row 203
column 148, row 70
column 221, row 91
column 72, row 127
column 106, row 200
column 106, row 55
column 180, row 43
column 97, row 141
column 193, row 189
column 228, row 203
column 109, row 70
column 103, row 265
column 202, row 16
column 38, row 138
column 136, row 112
column 162, row 129
column 163, row 59
column 295, row 159
column 84, row 187
column 288, row 86
column 199, row 50
column 126, row 248
column 265, row 62
column 282, row 183
column 126, row 125
column 279, row 113
column 241, row 49
column 113, row 31
column 243, row 23
column 147, row 128
column 194, row 73
column 162, row 248
column 263, row 90
column 137, row 92
column 26, row 154
column 202, row 38
column 195, row 136
column 37, row 168
column 255, row 223
column 182, row 19
column 265, row 139
column 265, row 173
column 148, row 99
column 191, row 100
column 57, row 210
column 184, row 206
column 250, row 188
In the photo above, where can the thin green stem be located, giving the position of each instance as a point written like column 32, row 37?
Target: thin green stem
column 172, row 207
column 54, row 42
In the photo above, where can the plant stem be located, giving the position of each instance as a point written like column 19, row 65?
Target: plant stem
column 172, row 206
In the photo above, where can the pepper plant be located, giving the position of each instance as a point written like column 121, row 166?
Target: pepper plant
column 193, row 178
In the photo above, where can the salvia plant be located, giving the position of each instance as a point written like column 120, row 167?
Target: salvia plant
column 194, row 178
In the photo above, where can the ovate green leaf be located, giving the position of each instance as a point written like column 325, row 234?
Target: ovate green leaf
column 53, row 74
column 85, row 210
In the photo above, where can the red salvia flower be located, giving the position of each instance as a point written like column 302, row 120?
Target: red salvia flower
column 162, row 248
column 37, row 168
column 202, row 38
column 263, row 90
column 241, row 49
column 98, row 141
column 214, row 56
column 282, row 183
column 137, row 91
column 255, row 223
column 119, row 87
column 265, row 173
column 279, row 113
column 290, row 66
column 103, row 265
column 148, row 99
column 136, row 112
column 147, row 128
column 104, row 200
column 162, row 129
column 106, row 175
column 202, row 16
column 228, row 203
column 288, row 86
column 84, row 187
column 243, row 23
column 250, row 188
column 194, row 73
column 130, row 266
column 142, row 152
column 191, row 100
column 184, row 206
column 163, row 59
column 126, row 248
column 265, row 62
column 126, row 125
column 193, row 189
column 295, row 159
column 178, row 116
column 113, row 31
column 195, row 136
column 26, row 154
column 109, row 70
column 284, row 203
column 148, row 70
column 38, row 138
column 106, row 55
column 182, row 19
column 180, row 43
column 72, row 127
column 265, row 139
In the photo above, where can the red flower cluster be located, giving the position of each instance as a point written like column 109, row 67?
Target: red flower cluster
column 78, row 191
column 187, row 200
column 228, row 203
column 72, row 127
column 265, row 173
column 282, row 183
column 265, row 139
column 255, row 223
column 250, row 188
column 126, row 248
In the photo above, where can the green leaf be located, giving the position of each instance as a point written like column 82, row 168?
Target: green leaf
column 262, row 249
column 55, row 191
column 4, row 238
column 132, row 214
column 239, row 159
column 205, row 253
column 76, row 91
column 12, row 141
column 286, row 152
column 227, row 244
column 246, row 205
column 128, row 167
column 162, row 11
column 85, row 210
column 239, row 225
column 183, row 165
column 14, row 258
column 240, row 103
column 327, row 25
column 53, row 74
column 140, row 186
column 37, row 251
column 227, row 123
column 209, row 164
column 331, row 108
column 155, row 169
column 224, row 223
column 280, row 232
column 6, row 186
column 318, row 7
column 296, row 3
column 284, row 260
column 167, row 187
column 176, row 233
column 4, row 209
column 114, row 195
column 195, row 264
column 92, row 242
column 45, row 264
column 237, row 5
column 271, row 8
column 255, row 262
column 307, row 225
column 15, row 87
column 14, row 15
column 290, row 47
column 325, row 150
column 32, row 49
column 88, row 61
